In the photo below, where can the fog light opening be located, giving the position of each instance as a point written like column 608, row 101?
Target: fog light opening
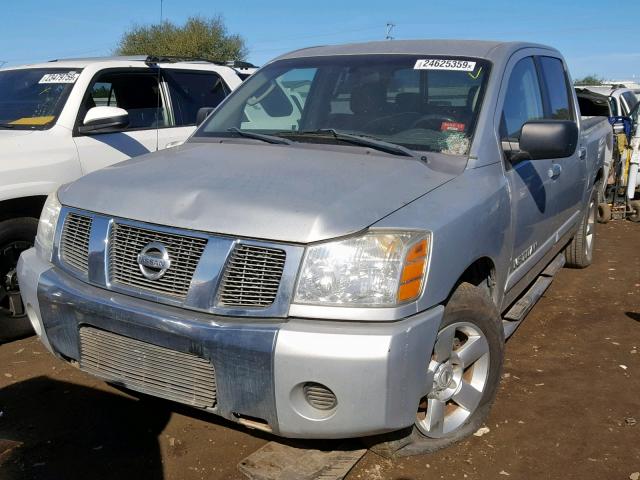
column 319, row 396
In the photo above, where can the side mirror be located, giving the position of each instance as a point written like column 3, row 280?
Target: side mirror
column 101, row 119
column 202, row 114
column 542, row 139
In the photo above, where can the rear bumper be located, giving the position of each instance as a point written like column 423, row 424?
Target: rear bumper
column 378, row 371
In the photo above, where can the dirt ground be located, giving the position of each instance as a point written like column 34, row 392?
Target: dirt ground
column 568, row 407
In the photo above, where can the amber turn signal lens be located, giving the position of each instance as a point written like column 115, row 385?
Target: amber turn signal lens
column 413, row 271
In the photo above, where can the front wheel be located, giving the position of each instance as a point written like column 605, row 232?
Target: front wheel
column 16, row 235
column 466, row 364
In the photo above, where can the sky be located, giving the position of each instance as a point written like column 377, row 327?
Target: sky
column 591, row 34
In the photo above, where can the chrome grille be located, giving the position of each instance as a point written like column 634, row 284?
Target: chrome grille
column 74, row 243
column 127, row 241
column 148, row 368
column 319, row 396
column 252, row 276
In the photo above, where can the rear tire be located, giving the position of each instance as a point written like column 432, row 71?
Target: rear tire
column 635, row 207
column 604, row 213
column 579, row 252
column 474, row 318
column 16, row 235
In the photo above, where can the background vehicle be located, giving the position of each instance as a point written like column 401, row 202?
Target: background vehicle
column 65, row 118
column 353, row 274
column 622, row 99
column 616, row 200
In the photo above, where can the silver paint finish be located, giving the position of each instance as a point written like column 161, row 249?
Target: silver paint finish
column 299, row 194
column 258, row 363
column 375, row 360
column 378, row 372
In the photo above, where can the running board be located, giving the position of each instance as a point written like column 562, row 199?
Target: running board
column 513, row 318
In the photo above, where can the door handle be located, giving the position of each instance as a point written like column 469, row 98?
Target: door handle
column 555, row 171
column 582, row 153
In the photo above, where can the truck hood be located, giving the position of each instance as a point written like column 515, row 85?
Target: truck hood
column 300, row 193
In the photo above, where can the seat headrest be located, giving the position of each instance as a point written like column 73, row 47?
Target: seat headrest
column 408, row 102
column 368, row 98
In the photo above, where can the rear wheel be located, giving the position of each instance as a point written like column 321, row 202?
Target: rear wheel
column 16, row 236
column 579, row 252
column 465, row 365
column 634, row 216
column 604, row 213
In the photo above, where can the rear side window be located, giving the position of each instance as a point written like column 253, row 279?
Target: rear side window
column 191, row 91
column 523, row 101
column 557, row 89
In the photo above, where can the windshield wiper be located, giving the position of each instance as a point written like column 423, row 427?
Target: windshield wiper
column 363, row 140
column 260, row 136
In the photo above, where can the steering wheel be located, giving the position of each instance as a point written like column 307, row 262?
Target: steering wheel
column 431, row 121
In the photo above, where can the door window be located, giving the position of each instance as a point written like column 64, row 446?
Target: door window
column 557, row 89
column 137, row 93
column 523, row 101
column 191, row 91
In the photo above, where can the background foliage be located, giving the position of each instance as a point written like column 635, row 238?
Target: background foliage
column 199, row 37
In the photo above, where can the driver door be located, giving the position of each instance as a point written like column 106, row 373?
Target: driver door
column 137, row 92
column 533, row 211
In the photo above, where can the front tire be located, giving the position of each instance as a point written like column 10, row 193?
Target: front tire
column 466, row 364
column 16, row 235
column 579, row 252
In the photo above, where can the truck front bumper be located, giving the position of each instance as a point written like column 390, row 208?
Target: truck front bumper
column 377, row 371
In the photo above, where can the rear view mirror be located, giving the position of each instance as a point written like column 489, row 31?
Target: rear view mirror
column 542, row 139
column 101, row 119
column 202, row 114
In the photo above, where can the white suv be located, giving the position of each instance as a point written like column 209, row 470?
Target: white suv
column 65, row 118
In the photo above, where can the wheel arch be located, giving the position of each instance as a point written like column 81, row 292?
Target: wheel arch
column 30, row 206
column 480, row 273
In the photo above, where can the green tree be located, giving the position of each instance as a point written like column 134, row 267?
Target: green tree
column 199, row 37
column 589, row 80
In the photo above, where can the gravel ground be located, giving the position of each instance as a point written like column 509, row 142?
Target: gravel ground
column 568, row 407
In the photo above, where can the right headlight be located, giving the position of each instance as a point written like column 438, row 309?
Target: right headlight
column 47, row 225
column 377, row 269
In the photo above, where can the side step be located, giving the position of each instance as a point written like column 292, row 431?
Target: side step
column 513, row 318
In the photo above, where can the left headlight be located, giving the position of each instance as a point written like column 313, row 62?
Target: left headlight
column 47, row 224
column 377, row 269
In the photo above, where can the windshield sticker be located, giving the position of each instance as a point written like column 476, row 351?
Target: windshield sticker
column 452, row 127
column 67, row 77
column 444, row 64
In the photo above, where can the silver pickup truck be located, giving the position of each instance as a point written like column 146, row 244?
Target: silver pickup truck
column 339, row 250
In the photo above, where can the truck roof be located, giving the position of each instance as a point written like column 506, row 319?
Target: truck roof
column 489, row 50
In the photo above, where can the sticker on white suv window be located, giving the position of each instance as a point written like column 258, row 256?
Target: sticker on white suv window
column 66, row 77
column 444, row 64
